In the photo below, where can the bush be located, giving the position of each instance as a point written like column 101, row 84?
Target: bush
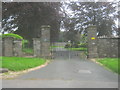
column 75, row 45
column 67, row 46
column 25, row 43
column 15, row 36
column 82, row 45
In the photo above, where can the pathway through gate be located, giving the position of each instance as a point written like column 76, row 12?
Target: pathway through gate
column 60, row 52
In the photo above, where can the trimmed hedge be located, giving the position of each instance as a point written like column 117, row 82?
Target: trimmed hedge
column 16, row 36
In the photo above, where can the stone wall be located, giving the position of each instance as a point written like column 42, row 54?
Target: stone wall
column 11, row 47
column 107, row 47
column 101, row 47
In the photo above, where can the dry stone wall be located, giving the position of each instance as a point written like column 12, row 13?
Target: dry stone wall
column 101, row 47
column 107, row 47
column 10, row 47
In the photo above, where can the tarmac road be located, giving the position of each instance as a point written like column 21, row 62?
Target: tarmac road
column 65, row 72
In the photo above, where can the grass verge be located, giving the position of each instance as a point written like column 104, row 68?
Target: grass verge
column 20, row 63
column 57, row 46
column 111, row 63
column 77, row 49
column 28, row 50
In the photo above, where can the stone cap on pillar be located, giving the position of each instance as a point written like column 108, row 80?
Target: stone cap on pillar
column 8, row 38
column 45, row 26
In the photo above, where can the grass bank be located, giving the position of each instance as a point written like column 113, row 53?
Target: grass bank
column 20, row 63
column 57, row 46
column 77, row 49
column 111, row 63
column 28, row 50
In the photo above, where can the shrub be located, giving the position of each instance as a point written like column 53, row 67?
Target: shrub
column 67, row 46
column 82, row 45
column 75, row 45
column 15, row 36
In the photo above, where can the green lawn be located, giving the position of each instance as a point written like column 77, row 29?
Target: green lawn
column 28, row 50
column 77, row 49
column 57, row 46
column 20, row 63
column 111, row 63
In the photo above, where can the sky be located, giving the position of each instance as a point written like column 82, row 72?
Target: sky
column 57, row 0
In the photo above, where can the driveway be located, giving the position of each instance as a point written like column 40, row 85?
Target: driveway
column 66, row 72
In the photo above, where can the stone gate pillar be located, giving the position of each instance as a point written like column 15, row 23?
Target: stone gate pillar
column 37, row 47
column 18, row 48
column 92, row 41
column 45, row 41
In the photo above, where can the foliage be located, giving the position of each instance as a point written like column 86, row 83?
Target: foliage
column 111, row 63
column 57, row 47
column 77, row 49
column 82, row 45
column 16, row 36
column 21, row 15
column 21, row 63
column 67, row 45
column 76, row 45
column 83, row 14
column 70, row 36
column 86, row 53
column 25, row 43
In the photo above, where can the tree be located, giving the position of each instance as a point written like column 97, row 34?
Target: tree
column 83, row 14
column 27, row 18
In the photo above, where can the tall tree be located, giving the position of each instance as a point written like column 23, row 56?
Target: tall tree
column 27, row 18
column 83, row 14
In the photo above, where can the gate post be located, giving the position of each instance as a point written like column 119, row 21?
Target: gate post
column 45, row 41
column 36, row 46
column 18, row 47
column 92, row 41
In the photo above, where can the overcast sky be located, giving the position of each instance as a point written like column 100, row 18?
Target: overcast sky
column 57, row 0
